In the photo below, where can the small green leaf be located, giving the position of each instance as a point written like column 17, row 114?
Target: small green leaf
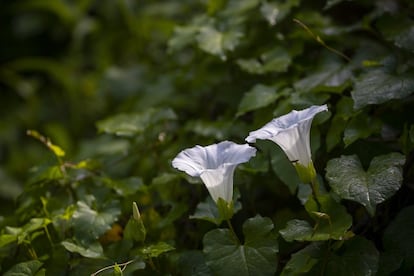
column 350, row 181
column 135, row 230
column 218, row 43
column 378, row 86
column 29, row 268
column 274, row 12
column 259, row 96
column 154, row 250
column 93, row 250
column 257, row 256
column 331, row 222
column 135, row 123
column 275, row 60
column 302, row 262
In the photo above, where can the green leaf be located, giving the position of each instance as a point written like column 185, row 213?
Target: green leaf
column 361, row 126
column 208, row 209
column 350, row 181
column 93, row 250
column 398, row 238
column 135, row 230
column 343, row 112
column 274, row 12
column 154, row 250
column 29, row 268
column 90, row 224
column 216, row 42
column 378, row 86
column 193, row 263
column 331, row 222
column 283, row 168
column 275, row 60
column 257, row 256
column 135, row 123
column 259, row 96
column 357, row 256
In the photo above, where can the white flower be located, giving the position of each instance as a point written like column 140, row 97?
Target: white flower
column 215, row 165
column 292, row 133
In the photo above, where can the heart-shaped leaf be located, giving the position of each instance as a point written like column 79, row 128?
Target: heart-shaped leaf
column 350, row 181
column 257, row 256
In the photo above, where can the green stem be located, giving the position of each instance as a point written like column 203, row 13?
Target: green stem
column 315, row 192
column 233, row 233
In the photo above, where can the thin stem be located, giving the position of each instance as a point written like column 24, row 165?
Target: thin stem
column 233, row 233
column 320, row 41
column 123, row 266
column 315, row 191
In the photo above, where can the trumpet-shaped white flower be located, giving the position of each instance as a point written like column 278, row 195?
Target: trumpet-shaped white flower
column 215, row 165
column 292, row 133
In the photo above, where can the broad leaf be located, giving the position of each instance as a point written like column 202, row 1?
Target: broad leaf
column 90, row 224
column 331, row 222
column 259, row 96
column 257, row 256
column 93, row 250
column 275, row 60
column 378, row 86
column 360, row 126
column 349, row 180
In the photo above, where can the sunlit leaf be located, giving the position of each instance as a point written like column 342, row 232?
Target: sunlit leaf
column 349, row 180
column 256, row 256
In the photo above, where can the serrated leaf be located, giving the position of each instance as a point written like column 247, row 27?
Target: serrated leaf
column 350, row 181
column 90, row 224
column 259, row 96
column 378, row 86
column 257, row 256
column 331, row 222
column 135, row 123
column 93, row 250
column 28, row 268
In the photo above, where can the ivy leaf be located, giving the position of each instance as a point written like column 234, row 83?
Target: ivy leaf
column 331, row 222
column 93, row 250
column 259, row 96
column 26, row 268
column 398, row 238
column 90, row 224
column 217, row 43
column 257, row 256
column 350, row 181
column 135, row 123
column 378, row 86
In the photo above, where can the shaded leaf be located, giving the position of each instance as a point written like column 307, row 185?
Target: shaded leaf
column 93, row 250
column 350, row 181
column 331, row 222
column 28, row 268
column 257, row 256
column 361, row 126
column 275, row 60
column 378, row 86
